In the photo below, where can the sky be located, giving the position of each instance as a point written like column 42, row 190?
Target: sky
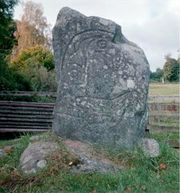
column 152, row 24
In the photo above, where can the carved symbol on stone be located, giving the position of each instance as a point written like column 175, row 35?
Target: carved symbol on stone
column 102, row 44
column 109, row 79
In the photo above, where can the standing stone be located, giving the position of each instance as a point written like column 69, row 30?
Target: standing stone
column 102, row 82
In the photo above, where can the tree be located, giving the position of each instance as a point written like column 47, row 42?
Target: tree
column 171, row 69
column 7, row 26
column 34, row 56
column 32, row 29
column 37, row 64
column 9, row 79
column 157, row 75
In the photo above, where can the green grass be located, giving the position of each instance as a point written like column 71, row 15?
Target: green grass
column 164, row 89
column 164, row 136
column 142, row 174
column 18, row 146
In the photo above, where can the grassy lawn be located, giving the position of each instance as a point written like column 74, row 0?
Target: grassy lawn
column 164, row 89
column 141, row 174
column 164, row 136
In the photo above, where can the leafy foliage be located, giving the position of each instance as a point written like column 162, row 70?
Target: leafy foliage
column 157, row 75
column 9, row 79
column 37, row 64
column 31, row 57
column 34, row 56
column 32, row 29
column 171, row 69
column 7, row 26
column 12, row 80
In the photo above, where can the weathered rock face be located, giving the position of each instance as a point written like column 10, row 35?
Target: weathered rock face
column 102, row 82
column 34, row 156
column 89, row 160
column 150, row 147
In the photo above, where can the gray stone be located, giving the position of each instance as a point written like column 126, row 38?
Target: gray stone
column 33, row 157
column 102, row 82
column 150, row 147
column 89, row 160
column 41, row 164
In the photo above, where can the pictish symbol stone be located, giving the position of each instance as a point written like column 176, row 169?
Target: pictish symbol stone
column 103, row 98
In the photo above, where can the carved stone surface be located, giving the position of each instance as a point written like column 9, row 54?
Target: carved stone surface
column 102, row 82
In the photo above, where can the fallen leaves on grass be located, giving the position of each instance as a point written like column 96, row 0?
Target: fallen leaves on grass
column 162, row 166
column 8, row 149
column 61, row 160
column 15, row 174
column 12, row 177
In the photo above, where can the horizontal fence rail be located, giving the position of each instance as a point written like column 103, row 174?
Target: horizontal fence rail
column 29, row 116
column 164, row 107
column 161, row 99
column 163, row 116
column 25, row 116
column 33, row 116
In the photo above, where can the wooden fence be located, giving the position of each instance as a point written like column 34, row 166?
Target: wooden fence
column 25, row 116
column 31, row 116
column 164, row 99
column 163, row 116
